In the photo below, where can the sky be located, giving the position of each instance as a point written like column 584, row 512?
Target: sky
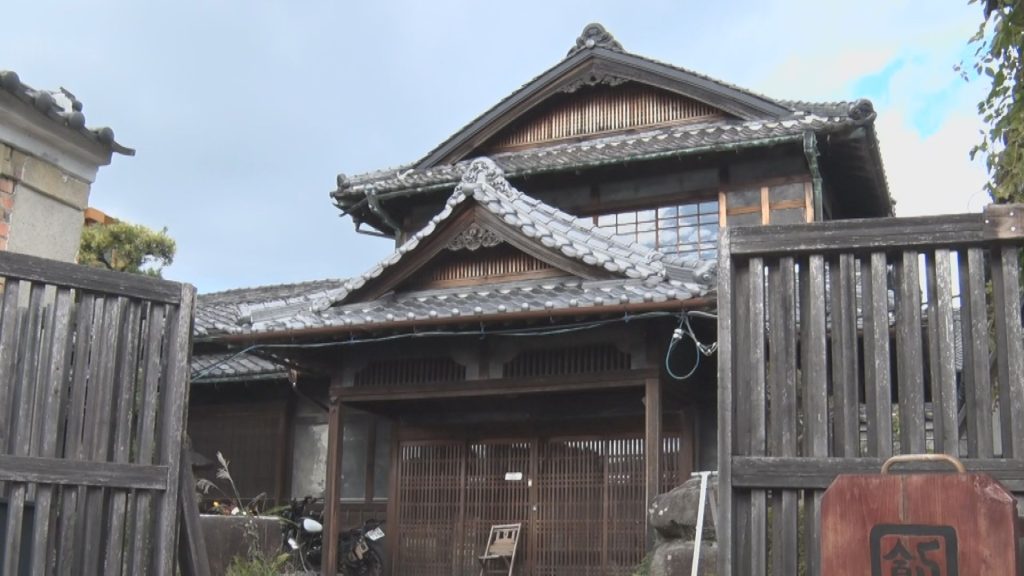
column 243, row 112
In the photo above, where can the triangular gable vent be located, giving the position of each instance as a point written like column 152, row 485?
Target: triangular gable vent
column 601, row 105
column 478, row 255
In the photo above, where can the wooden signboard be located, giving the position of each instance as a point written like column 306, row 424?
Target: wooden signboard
column 919, row 524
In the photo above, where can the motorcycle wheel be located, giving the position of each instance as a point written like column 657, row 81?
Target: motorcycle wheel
column 374, row 565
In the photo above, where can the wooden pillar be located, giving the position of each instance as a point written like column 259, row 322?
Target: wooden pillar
column 332, row 496
column 652, row 447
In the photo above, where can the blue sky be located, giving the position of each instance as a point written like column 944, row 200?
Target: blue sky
column 244, row 112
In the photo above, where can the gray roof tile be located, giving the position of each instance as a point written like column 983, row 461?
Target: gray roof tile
column 231, row 366
column 62, row 108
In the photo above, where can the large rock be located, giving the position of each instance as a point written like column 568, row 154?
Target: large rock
column 675, row 558
column 674, row 514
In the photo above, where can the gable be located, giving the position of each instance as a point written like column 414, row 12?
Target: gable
column 598, row 106
column 597, row 58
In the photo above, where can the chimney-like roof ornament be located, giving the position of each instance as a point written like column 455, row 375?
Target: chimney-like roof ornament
column 594, row 36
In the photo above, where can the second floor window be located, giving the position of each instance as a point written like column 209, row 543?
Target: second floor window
column 686, row 229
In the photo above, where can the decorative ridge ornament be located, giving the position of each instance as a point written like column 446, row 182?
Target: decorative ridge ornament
column 484, row 172
column 595, row 36
column 473, row 238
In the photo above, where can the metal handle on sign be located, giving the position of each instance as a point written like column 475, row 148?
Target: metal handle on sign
column 924, row 458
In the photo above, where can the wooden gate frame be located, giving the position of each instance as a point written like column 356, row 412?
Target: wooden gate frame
column 755, row 457
column 29, row 458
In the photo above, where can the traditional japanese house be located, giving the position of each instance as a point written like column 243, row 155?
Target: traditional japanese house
column 536, row 349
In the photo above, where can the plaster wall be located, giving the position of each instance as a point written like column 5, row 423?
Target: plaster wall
column 309, row 452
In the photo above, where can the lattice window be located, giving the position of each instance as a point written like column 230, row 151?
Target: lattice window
column 463, row 267
column 687, row 229
column 560, row 361
column 404, row 371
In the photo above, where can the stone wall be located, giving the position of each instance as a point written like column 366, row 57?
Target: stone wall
column 41, row 206
column 673, row 516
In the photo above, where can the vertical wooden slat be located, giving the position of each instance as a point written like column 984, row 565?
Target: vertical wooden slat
column 977, row 382
column 757, row 415
column 21, row 423
column 814, row 375
column 783, row 408
column 53, row 383
column 909, row 355
column 1009, row 348
column 85, row 334
column 8, row 349
column 844, row 355
column 941, row 353
column 652, row 448
column 173, row 408
column 98, row 416
column 146, row 433
column 877, row 378
column 332, row 493
column 125, row 386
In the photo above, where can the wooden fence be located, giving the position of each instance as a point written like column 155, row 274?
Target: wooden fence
column 844, row 343
column 93, row 392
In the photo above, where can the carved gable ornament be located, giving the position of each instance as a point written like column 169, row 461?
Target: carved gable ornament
column 594, row 35
column 473, row 238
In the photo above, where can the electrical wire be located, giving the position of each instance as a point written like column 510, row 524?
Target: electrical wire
column 482, row 333
column 685, row 330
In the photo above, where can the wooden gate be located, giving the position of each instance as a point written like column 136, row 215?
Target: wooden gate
column 580, row 499
column 844, row 343
column 93, row 390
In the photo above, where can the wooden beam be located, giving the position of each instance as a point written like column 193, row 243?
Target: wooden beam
column 332, row 493
column 497, row 387
column 765, row 206
column 652, row 447
column 37, row 470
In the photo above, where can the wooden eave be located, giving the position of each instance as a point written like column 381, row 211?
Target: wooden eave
column 599, row 62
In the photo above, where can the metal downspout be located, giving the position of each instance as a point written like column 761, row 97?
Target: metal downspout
column 811, row 152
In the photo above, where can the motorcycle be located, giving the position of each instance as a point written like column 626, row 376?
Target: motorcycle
column 302, row 531
column 361, row 553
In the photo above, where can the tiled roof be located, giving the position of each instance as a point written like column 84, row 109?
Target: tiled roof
column 645, row 275
column 555, row 295
column 218, row 312
column 647, row 145
column 485, row 182
column 62, row 108
column 231, row 366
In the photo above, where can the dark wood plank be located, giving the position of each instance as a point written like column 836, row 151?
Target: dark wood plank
column 976, row 378
column 40, row 470
column 73, row 449
column 8, row 353
column 1006, row 303
column 53, row 383
column 193, row 559
column 941, row 353
column 125, row 387
column 146, row 435
column 173, row 408
column 1004, row 221
column 877, row 377
column 817, row 473
column 652, row 449
column 814, row 375
column 726, row 358
column 13, row 265
column 782, row 382
column 332, row 492
column 845, row 381
column 859, row 235
column 755, row 391
column 909, row 355
column 22, row 422
column 98, row 416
